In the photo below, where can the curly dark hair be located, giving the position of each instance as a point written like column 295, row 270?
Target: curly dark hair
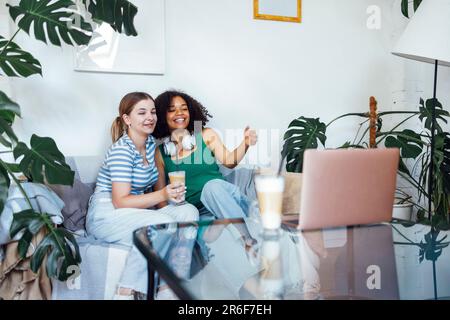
column 197, row 112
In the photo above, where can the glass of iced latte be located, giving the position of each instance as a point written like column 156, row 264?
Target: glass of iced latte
column 269, row 189
column 178, row 176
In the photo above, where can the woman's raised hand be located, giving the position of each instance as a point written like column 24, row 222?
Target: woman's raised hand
column 175, row 192
column 250, row 137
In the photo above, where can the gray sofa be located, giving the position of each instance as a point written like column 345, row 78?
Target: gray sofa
column 102, row 263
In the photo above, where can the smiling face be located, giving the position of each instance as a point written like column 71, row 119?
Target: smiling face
column 142, row 119
column 178, row 114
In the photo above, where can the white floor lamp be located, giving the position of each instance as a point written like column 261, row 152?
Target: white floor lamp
column 427, row 39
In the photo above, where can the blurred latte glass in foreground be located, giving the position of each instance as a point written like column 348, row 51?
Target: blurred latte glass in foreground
column 270, row 188
column 271, row 280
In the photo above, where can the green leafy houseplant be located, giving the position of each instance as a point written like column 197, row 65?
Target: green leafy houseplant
column 405, row 6
column 308, row 133
column 54, row 22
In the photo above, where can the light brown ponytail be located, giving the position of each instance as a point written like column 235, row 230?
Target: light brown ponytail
column 118, row 127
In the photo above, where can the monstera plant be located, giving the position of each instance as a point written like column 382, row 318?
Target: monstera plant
column 405, row 6
column 415, row 148
column 52, row 22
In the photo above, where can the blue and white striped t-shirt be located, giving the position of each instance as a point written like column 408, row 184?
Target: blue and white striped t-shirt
column 123, row 163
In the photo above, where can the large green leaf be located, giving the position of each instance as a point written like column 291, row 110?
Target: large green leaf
column 43, row 159
column 8, row 111
column 24, row 243
column 61, row 251
column 409, row 143
column 20, row 220
column 4, row 187
column 417, row 4
column 441, row 175
column 6, row 128
column 405, row 8
column 302, row 134
column 7, row 104
column 8, row 116
column 67, row 260
column 59, row 245
column 426, row 113
column 443, row 159
column 119, row 14
column 15, row 62
column 52, row 21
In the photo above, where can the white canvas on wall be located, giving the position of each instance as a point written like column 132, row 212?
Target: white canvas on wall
column 286, row 8
column 110, row 51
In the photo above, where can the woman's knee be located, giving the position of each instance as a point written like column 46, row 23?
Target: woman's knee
column 186, row 212
column 213, row 188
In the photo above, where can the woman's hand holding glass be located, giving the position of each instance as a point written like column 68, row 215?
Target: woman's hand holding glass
column 175, row 192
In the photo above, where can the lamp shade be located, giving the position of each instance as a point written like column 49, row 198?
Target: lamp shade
column 427, row 36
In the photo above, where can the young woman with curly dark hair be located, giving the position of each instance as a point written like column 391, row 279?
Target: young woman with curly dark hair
column 191, row 147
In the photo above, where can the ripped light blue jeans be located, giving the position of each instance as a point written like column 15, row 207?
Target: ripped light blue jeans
column 224, row 200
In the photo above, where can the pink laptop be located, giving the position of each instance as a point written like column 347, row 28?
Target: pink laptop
column 347, row 187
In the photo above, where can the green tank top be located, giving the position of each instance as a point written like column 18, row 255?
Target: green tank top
column 200, row 167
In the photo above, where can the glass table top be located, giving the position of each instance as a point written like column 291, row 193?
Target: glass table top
column 238, row 259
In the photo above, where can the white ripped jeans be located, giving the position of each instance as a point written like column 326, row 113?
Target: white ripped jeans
column 109, row 224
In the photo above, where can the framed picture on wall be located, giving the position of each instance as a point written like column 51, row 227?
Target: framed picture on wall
column 112, row 52
column 278, row 10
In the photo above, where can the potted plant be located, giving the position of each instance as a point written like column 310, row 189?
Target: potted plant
column 54, row 21
column 403, row 206
column 308, row 133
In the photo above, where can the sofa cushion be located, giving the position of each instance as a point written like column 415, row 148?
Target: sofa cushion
column 76, row 197
column 76, row 200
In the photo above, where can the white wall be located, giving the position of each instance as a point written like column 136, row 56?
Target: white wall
column 245, row 71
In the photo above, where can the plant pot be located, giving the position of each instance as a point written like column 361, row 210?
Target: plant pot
column 402, row 211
